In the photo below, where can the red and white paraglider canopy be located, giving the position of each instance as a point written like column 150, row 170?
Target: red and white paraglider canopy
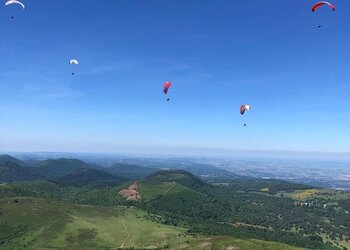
column 321, row 3
column 243, row 108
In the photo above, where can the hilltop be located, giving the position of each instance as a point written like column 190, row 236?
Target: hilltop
column 182, row 177
column 59, row 167
column 130, row 171
column 8, row 158
column 12, row 169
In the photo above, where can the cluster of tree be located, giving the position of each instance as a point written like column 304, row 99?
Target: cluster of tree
column 270, row 186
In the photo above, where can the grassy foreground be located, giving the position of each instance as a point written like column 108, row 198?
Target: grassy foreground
column 43, row 224
column 227, row 243
column 33, row 223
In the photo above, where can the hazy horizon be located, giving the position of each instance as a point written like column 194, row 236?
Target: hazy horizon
column 198, row 152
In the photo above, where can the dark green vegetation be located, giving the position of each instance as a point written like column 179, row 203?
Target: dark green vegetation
column 67, row 172
column 261, row 185
column 130, row 171
column 89, row 176
column 12, row 169
column 228, row 211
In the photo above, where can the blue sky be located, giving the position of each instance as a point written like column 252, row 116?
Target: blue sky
column 218, row 54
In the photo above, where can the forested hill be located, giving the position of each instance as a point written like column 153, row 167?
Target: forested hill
column 130, row 171
column 8, row 158
column 89, row 176
column 12, row 171
column 59, row 167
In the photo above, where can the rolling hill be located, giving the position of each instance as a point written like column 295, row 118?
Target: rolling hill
column 54, row 168
column 8, row 158
column 182, row 177
column 89, row 176
column 11, row 169
column 129, row 171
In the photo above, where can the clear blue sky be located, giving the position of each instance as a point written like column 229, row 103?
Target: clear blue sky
column 218, row 54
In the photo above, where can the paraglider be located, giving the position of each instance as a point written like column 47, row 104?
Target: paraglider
column 243, row 108
column 15, row 2
column 321, row 3
column 10, row 2
column 73, row 62
column 166, row 87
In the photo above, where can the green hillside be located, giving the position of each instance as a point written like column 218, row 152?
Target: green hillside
column 34, row 223
column 46, row 224
column 54, row 168
column 8, row 158
column 12, row 171
column 227, row 243
column 89, row 176
column 130, row 171
column 179, row 176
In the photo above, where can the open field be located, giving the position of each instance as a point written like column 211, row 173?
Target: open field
column 305, row 194
column 326, row 194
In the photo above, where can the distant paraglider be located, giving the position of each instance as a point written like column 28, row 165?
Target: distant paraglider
column 73, row 62
column 15, row 2
column 166, row 87
column 243, row 109
column 321, row 3
column 10, row 2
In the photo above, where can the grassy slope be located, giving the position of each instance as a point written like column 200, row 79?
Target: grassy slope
column 151, row 191
column 42, row 224
column 45, row 224
column 227, row 243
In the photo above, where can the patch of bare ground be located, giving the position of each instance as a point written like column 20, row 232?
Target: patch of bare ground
column 183, row 246
column 131, row 193
column 232, row 248
column 205, row 245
